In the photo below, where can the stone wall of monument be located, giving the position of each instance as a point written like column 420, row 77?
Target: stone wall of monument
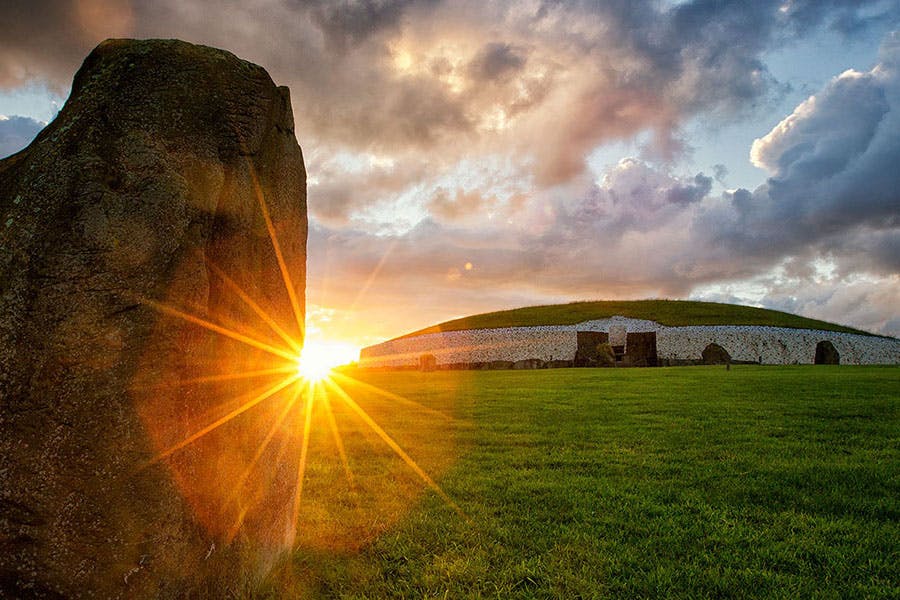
column 769, row 345
column 475, row 345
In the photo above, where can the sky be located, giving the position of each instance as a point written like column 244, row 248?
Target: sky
column 468, row 156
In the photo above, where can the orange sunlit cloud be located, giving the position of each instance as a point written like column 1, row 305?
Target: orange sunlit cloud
column 539, row 141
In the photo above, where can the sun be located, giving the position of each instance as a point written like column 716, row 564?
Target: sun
column 303, row 381
column 318, row 359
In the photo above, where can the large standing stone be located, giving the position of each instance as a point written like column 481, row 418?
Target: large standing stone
column 147, row 187
column 587, row 348
column 640, row 349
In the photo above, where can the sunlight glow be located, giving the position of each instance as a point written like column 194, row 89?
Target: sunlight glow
column 317, row 359
column 219, row 422
column 301, row 468
column 300, row 381
column 393, row 445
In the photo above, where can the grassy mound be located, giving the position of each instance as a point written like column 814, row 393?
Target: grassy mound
column 666, row 312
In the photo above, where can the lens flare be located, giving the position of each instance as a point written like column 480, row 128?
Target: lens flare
column 317, row 359
column 268, row 443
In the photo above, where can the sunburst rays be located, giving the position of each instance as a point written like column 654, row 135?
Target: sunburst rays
column 222, row 420
column 276, row 247
column 301, row 465
column 392, row 444
column 256, row 308
column 220, row 329
column 296, row 388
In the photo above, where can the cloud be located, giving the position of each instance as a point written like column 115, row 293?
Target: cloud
column 547, row 80
column 461, row 205
column 639, row 231
column 635, row 195
column 821, row 136
column 16, row 133
column 720, row 173
column 344, row 185
column 443, row 133
column 840, row 15
column 46, row 40
column 496, row 60
column 622, row 237
column 867, row 303
column 834, row 185
column 349, row 22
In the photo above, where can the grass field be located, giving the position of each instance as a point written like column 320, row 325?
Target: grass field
column 667, row 312
column 581, row 483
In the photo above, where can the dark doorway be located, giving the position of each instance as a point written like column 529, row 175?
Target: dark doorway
column 827, row 354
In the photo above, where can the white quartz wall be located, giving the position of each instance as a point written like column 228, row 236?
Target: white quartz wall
column 774, row 345
column 475, row 345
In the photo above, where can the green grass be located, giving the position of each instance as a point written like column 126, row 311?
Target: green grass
column 696, row 482
column 666, row 312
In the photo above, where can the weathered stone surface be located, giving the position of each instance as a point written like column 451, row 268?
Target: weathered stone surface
column 147, row 182
column 640, row 349
column 606, row 357
column 827, row 354
column 588, row 343
column 715, row 354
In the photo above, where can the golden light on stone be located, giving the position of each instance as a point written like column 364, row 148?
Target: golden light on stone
column 267, row 442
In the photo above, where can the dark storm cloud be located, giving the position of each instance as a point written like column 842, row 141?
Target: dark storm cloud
column 356, row 20
column 16, row 133
column 348, row 22
column 715, row 47
column 46, row 40
column 496, row 60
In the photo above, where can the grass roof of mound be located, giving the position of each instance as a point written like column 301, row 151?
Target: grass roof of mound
column 666, row 312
